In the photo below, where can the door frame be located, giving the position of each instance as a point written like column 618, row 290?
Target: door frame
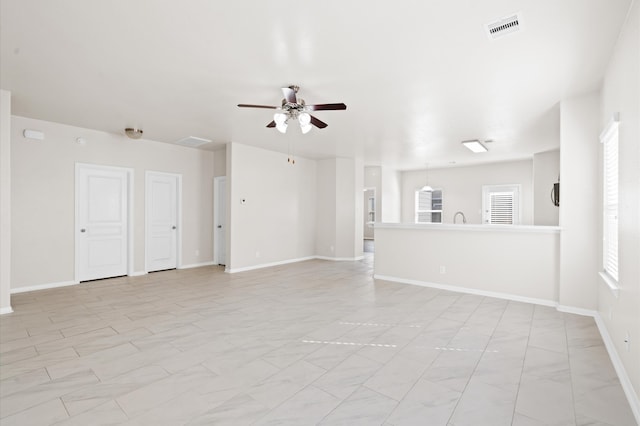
column 216, row 215
column 130, row 176
column 147, row 175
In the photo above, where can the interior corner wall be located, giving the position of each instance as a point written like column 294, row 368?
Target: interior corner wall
column 272, row 207
column 621, row 93
column 43, row 196
column 580, row 203
column 340, row 223
column 5, row 202
column 220, row 162
column 326, row 207
column 391, row 205
column 546, row 169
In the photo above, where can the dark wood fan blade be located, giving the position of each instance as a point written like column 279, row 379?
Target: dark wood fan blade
column 272, row 124
column 290, row 95
column 318, row 123
column 257, row 106
column 326, row 107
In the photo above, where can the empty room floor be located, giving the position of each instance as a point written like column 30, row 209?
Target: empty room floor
column 316, row 342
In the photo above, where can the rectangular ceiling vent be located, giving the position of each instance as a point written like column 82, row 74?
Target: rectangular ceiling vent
column 193, row 141
column 504, row 26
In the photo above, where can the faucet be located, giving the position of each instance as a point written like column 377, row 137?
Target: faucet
column 464, row 219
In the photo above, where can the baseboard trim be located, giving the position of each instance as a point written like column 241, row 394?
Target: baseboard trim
column 43, row 286
column 339, row 259
column 577, row 311
column 6, row 310
column 627, row 387
column 138, row 274
column 467, row 290
column 197, row 265
column 268, row 265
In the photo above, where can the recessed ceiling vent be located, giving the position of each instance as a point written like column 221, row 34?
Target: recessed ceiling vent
column 504, row 26
column 193, row 141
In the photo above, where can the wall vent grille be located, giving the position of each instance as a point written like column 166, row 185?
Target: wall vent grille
column 193, row 141
column 504, row 26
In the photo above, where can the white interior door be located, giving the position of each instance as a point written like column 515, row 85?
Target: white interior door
column 162, row 200
column 102, row 222
column 220, row 234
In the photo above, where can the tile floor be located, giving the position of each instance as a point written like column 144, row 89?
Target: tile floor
column 310, row 343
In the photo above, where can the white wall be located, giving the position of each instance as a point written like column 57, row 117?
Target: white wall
column 5, row 201
column 326, row 208
column 519, row 262
column 546, row 169
column 340, row 209
column 621, row 93
column 220, row 162
column 391, row 183
column 579, row 204
column 277, row 221
column 462, row 188
column 43, row 191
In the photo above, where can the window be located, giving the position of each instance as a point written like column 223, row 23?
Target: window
column 609, row 139
column 501, row 204
column 428, row 206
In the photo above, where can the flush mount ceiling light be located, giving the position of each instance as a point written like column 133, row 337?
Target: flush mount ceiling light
column 475, row 146
column 133, row 133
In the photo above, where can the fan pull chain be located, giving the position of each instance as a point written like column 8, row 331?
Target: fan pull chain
column 290, row 156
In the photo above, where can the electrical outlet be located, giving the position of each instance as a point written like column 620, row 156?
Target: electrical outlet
column 257, row 253
column 627, row 341
column 443, row 269
column 331, row 248
column 197, row 253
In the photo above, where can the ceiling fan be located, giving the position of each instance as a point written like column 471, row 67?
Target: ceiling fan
column 295, row 108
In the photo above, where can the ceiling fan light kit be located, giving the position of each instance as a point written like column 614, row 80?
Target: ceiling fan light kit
column 294, row 108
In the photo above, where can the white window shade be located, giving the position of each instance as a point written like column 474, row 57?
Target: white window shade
column 501, row 204
column 609, row 138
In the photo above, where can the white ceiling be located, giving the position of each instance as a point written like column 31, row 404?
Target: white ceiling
column 418, row 76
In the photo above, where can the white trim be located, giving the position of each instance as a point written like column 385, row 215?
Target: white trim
column 178, row 176
column 130, row 219
column 267, row 265
column 627, row 387
column 339, row 259
column 470, row 227
column 576, row 311
column 43, row 286
column 138, row 274
column 6, row 310
column 468, row 290
column 612, row 126
column 196, row 265
column 611, row 284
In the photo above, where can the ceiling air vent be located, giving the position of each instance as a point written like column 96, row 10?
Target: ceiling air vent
column 193, row 141
column 504, row 26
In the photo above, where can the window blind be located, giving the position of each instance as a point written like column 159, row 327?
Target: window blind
column 501, row 208
column 610, row 200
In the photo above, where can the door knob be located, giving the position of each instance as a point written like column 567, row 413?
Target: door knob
column 173, row 227
column 83, row 230
column 219, row 226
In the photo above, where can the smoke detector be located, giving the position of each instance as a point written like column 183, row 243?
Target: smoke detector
column 504, row 26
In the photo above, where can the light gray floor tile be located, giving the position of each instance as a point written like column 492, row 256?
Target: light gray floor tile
column 306, row 343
